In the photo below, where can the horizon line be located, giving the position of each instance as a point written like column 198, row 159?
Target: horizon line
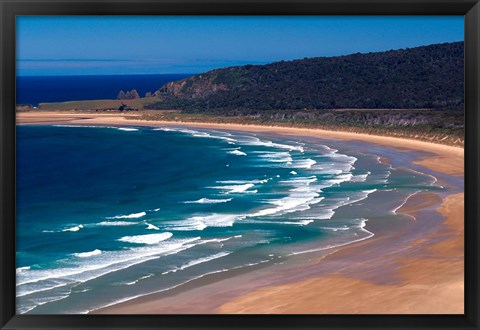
column 199, row 72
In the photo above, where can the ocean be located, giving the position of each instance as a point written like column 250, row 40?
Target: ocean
column 36, row 89
column 108, row 214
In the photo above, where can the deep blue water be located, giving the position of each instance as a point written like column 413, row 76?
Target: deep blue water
column 33, row 90
column 105, row 214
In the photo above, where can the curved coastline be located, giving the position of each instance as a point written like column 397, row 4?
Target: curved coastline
column 396, row 269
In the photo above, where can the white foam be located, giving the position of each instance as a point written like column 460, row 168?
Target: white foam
column 25, row 309
column 219, row 240
column 237, row 152
column 343, row 228
column 300, row 198
column 119, row 301
column 95, row 252
column 116, row 223
column 339, row 164
column 21, row 292
column 198, row 133
column 293, row 173
column 336, row 180
column 344, row 177
column 127, row 129
column 394, row 211
column 139, row 279
column 203, row 221
column 254, row 141
column 329, row 171
column 281, row 222
column 328, row 212
column 107, row 262
column 328, row 149
column 289, row 204
column 434, row 179
column 197, row 262
column 275, row 157
column 360, row 177
column 304, row 163
column 324, row 213
column 44, row 300
column 304, row 194
column 357, row 197
column 361, row 226
column 146, row 239
column 175, row 286
column 129, row 216
column 236, row 189
column 243, row 181
column 203, row 260
column 209, row 201
column 343, row 158
column 85, row 126
column 21, row 269
column 185, row 225
column 73, row 229
column 165, row 129
column 151, row 227
column 284, row 159
column 216, row 220
column 300, row 180
column 40, row 280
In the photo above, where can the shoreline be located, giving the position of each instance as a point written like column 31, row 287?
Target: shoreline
column 408, row 288
column 417, row 292
column 83, row 118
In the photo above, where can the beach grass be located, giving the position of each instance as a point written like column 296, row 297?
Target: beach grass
column 443, row 127
column 427, row 133
column 136, row 104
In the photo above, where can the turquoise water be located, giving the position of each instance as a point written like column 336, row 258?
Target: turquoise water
column 106, row 214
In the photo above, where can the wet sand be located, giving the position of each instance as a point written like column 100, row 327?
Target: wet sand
column 413, row 267
column 430, row 281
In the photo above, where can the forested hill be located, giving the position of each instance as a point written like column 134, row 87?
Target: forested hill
column 421, row 77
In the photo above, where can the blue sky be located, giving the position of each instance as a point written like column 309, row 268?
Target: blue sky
column 87, row 45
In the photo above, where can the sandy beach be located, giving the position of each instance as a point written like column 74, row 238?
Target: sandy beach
column 414, row 267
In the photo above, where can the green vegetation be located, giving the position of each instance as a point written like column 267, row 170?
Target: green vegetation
column 445, row 127
column 135, row 104
column 414, row 93
column 24, row 108
column 423, row 77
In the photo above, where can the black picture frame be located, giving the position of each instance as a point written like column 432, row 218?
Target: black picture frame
column 11, row 8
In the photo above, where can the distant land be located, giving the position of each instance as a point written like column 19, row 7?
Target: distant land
column 413, row 93
column 421, row 77
column 32, row 90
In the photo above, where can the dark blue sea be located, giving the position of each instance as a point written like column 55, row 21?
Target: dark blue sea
column 34, row 90
column 107, row 214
